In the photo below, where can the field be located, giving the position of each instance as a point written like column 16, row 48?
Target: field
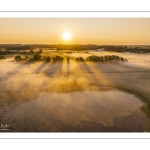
column 24, row 81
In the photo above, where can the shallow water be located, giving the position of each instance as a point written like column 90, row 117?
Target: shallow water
column 86, row 111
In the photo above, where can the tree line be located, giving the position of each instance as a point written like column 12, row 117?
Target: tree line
column 135, row 49
column 106, row 58
column 77, row 47
column 18, row 52
column 93, row 58
column 38, row 57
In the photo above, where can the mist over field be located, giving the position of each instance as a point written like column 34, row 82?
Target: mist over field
column 56, row 96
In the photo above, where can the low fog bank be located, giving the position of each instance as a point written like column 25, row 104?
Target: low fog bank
column 32, row 86
column 22, row 81
column 53, row 111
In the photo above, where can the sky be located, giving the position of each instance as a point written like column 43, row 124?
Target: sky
column 129, row 31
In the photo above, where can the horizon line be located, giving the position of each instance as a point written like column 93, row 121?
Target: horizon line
column 64, row 44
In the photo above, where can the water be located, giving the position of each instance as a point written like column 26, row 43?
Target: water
column 87, row 111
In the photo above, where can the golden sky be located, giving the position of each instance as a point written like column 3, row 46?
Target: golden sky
column 83, row 30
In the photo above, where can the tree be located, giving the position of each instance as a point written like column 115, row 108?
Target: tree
column 18, row 58
column 37, row 57
column 1, row 52
column 40, row 51
column 2, row 57
column 26, row 57
column 122, row 59
column 31, row 51
column 80, row 59
column 48, row 59
column 57, row 58
column 148, row 105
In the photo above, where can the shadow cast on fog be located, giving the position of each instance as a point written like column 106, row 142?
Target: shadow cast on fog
column 90, row 75
column 41, row 67
column 54, row 68
column 68, row 67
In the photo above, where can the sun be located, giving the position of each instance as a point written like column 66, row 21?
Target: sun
column 66, row 36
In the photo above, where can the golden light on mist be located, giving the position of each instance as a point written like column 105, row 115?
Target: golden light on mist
column 66, row 36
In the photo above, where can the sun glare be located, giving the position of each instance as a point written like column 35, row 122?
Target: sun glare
column 66, row 36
